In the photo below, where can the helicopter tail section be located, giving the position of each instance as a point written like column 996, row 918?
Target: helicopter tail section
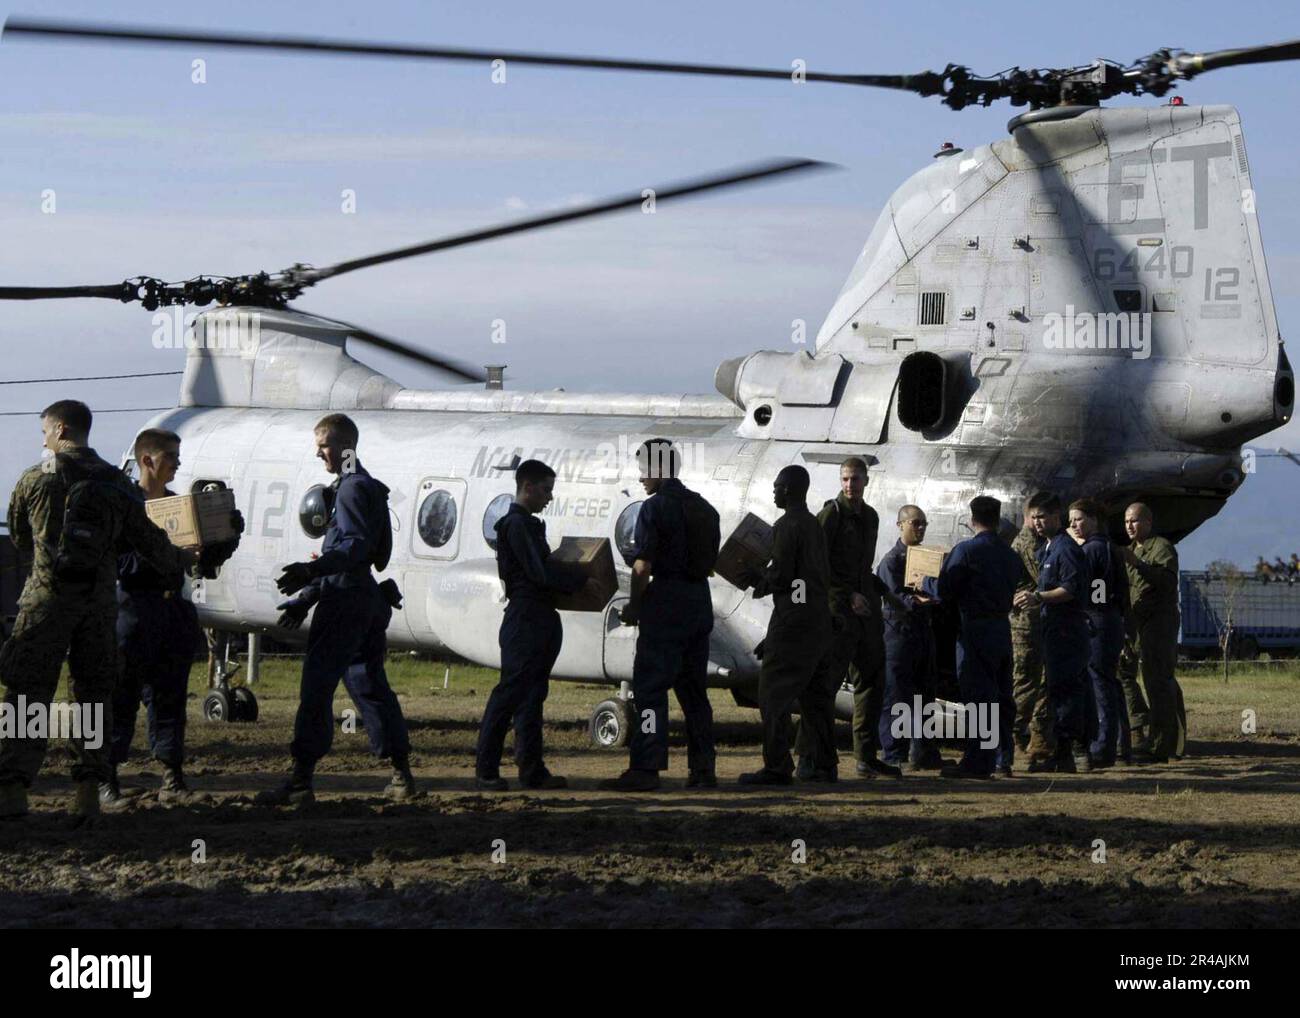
column 1122, row 241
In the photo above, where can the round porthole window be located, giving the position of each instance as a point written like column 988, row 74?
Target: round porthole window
column 437, row 519
column 495, row 510
column 625, row 532
column 314, row 511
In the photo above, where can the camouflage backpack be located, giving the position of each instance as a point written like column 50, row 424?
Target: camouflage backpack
column 94, row 513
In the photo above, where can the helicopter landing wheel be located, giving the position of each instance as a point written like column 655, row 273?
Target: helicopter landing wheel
column 610, row 724
column 217, row 706
column 244, row 705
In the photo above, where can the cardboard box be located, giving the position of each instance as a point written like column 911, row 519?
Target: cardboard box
column 922, row 562
column 192, row 521
column 595, row 557
column 747, row 551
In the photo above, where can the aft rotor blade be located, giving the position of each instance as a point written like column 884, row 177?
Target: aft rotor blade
column 743, row 176
column 459, row 368
column 1192, row 64
column 50, row 29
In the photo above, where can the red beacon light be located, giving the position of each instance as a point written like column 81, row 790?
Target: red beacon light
column 1176, row 100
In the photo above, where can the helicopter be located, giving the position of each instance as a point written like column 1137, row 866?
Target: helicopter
column 1081, row 306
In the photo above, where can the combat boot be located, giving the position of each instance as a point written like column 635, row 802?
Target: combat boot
column 929, row 760
column 13, row 801
column 110, row 791
column 873, row 765
column 632, row 781
column 402, row 785
column 703, row 778
column 86, row 802
column 174, row 788
column 295, row 790
column 543, row 780
column 1060, row 761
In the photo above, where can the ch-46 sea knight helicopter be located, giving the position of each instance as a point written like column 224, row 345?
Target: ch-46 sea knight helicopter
column 1082, row 305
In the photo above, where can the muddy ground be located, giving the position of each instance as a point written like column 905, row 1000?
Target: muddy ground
column 1212, row 840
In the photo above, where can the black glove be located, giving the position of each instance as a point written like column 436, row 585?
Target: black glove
column 236, row 521
column 296, row 575
column 222, row 550
column 391, row 593
column 293, row 614
column 211, row 557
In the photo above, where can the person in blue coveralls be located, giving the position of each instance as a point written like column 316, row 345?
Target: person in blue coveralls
column 347, row 639
column 980, row 576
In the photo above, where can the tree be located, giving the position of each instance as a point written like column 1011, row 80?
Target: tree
column 1234, row 587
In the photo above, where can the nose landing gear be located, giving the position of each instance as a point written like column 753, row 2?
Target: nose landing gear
column 611, row 721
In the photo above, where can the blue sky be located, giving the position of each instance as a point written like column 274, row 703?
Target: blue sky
column 154, row 174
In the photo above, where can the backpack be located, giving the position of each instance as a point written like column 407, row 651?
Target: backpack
column 94, row 515
column 703, row 535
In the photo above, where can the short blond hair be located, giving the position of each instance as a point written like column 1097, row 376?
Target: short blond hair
column 340, row 425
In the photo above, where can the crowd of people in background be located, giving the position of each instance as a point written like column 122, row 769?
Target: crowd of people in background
column 1278, row 570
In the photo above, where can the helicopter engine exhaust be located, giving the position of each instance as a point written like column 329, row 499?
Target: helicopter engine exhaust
column 931, row 390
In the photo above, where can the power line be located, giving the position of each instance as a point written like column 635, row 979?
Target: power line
column 97, row 412
column 90, row 378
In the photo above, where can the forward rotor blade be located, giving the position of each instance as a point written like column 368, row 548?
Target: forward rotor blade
column 41, row 27
column 459, row 368
column 1192, row 64
column 733, row 179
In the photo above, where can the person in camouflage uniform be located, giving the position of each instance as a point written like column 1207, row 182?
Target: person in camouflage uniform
column 857, row 646
column 1134, row 732
column 69, row 614
column 1153, row 584
column 1033, row 712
